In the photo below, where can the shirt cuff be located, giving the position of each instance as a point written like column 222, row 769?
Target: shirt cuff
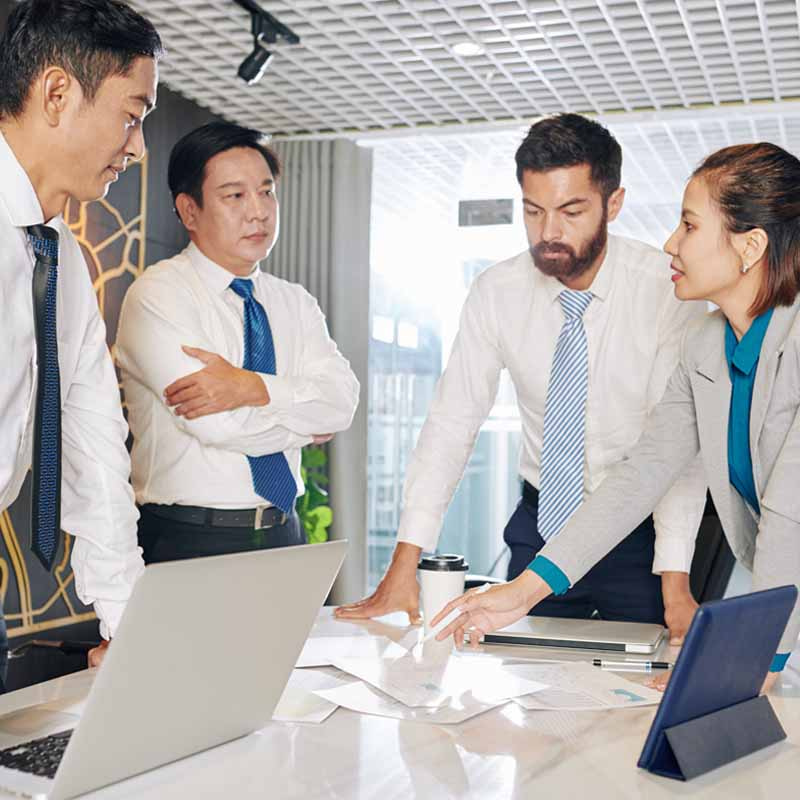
column 108, row 614
column 420, row 528
column 779, row 662
column 550, row 574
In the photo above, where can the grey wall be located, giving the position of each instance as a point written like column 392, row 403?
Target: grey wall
column 174, row 117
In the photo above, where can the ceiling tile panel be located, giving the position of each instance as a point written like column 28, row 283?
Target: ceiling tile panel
column 385, row 64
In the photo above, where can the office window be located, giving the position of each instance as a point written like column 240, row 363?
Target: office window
column 422, row 266
column 408, row 335
column 383, row 329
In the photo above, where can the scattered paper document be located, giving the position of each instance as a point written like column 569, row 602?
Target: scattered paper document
column 579, row 686
column 322, row 651
column 358, row 696
column 417, row 681
column 299, row 703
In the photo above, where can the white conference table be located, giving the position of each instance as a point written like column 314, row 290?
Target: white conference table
column 504, row 753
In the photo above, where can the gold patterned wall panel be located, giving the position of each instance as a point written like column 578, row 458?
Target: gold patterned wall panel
column 111, row 233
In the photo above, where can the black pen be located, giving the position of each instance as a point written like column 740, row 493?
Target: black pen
column 644, row 666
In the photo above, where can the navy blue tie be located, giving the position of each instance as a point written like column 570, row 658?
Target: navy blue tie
column 272, row 478
column 46, row 505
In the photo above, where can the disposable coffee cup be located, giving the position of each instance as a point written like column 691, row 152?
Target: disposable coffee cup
column 441, row 579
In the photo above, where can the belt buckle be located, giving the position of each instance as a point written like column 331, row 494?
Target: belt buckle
column 260, row 518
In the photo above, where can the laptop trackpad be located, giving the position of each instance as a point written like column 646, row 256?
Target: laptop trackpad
column 32, row 723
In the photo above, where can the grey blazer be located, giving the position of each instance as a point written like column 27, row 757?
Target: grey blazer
column 692, row 416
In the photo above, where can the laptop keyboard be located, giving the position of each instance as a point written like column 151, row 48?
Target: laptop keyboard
column 39, row 757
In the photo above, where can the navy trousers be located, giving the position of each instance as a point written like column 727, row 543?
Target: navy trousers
column 167, row 540
column 619, row 587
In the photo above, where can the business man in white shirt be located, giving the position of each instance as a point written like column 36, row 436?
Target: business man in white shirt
column 227, row 370
column 589, row 330
column 78, row 78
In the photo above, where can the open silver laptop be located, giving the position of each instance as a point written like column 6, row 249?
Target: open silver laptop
column 202, row 655
column 589, row 634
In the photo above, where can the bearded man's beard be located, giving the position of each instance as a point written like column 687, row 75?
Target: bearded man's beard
column 549, row 259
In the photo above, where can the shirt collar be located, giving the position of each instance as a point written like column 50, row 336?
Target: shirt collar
column 16, row 190
column 601, row 285
column 744, row 354
column 214, row 276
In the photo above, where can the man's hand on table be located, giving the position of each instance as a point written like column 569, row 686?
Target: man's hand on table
column 769, row 682
column 219, row 386
column 679, row 605
column 96, row 655
column 660, row 682
column 398, row 591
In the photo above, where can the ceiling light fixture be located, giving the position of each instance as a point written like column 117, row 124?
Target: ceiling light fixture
column 469, row 47
column 266, row 32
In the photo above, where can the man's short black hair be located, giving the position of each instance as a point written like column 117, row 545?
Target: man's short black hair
column 188, row 159
column 567, row 140
column 90, row 39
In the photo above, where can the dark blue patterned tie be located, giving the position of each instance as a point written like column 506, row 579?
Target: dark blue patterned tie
column 272, row 477
column 46, row 506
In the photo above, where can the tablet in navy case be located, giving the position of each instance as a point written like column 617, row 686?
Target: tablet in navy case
column 711, row 713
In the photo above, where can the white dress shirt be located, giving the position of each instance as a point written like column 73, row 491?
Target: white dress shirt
column 186, row 300
column 511, row 320
column 97, row 505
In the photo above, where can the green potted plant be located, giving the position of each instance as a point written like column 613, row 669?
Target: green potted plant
column 312, row 508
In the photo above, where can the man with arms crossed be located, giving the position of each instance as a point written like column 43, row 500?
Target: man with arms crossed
column 589, row 330
column 78, row 79
column 227, row 370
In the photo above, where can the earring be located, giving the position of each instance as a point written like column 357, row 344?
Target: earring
column 745, row 267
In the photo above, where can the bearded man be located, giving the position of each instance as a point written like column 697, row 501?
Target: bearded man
column 588, row 327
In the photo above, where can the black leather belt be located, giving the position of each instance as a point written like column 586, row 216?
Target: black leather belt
column 253, row 518
column 530, row 494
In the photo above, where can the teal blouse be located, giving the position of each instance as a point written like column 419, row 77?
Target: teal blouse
column 742, row 357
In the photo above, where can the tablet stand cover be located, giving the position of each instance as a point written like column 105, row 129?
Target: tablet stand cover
column 712, row 712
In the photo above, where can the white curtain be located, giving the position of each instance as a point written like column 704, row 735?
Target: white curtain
column 303, row 251
column 324, row 195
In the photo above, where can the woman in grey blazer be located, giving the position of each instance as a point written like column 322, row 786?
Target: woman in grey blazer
column 734, row 396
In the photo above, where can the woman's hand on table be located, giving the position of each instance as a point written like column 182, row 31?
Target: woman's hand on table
column 487, row 609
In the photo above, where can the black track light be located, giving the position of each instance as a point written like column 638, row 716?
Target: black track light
column 266, row 32
column 253, row 67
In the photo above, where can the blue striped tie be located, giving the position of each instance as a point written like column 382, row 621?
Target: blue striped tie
column 272, row 478
column 46, row 503
column 561, row 470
